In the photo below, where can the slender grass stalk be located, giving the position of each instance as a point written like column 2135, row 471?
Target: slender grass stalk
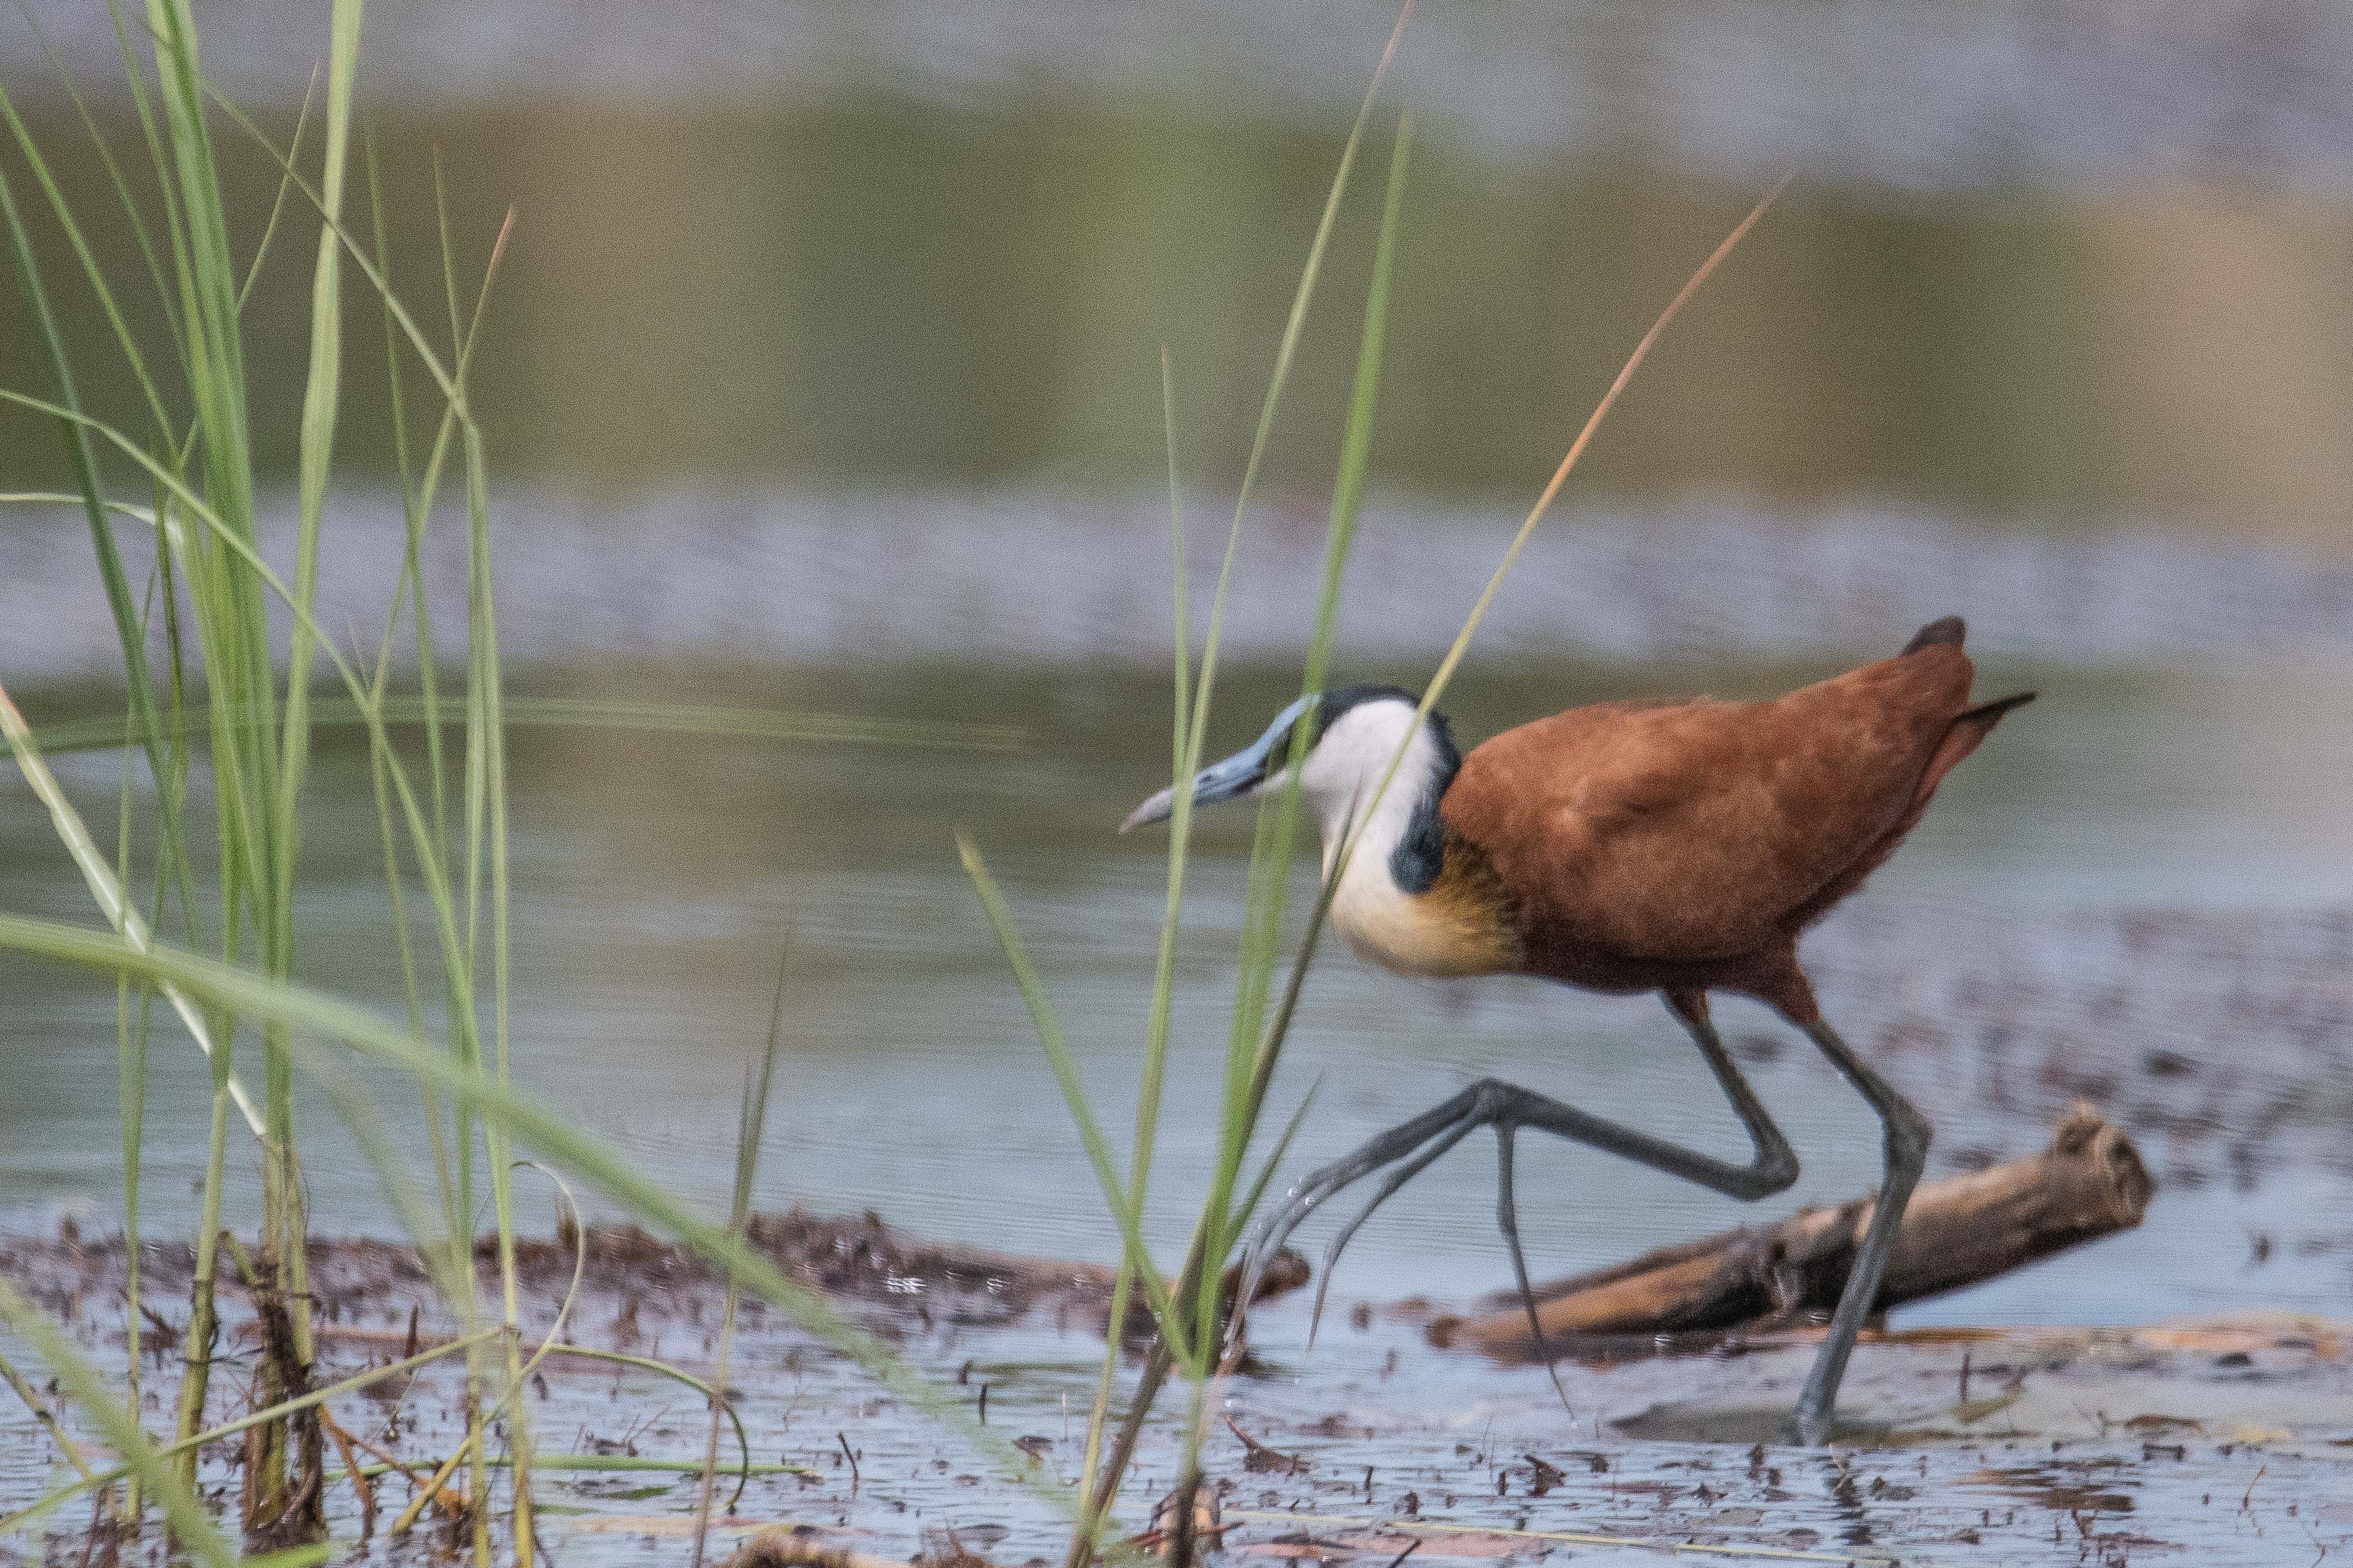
column 204, row 1328
column 404, row 944
column 32, row 1401
column 573, row 713
column 416, row 512
column 1188, row 1327
column 315, row 449
column 130, row 1038
column 1155, row 1046
column 750, row 1124
column 1251, row 1043
column 78, row 454
column 115, row 177
column 1634, row 362
column 1074, row 1095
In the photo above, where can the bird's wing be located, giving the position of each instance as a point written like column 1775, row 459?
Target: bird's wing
column 1697, row 829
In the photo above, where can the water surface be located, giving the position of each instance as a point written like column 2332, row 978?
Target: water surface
column 2106, row 883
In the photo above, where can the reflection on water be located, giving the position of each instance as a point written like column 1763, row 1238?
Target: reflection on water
column 863, row 290
column 657, row 877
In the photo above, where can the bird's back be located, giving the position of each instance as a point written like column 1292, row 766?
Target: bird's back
column 1635, row 835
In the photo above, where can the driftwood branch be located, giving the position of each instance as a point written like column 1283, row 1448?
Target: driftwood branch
column 2088, row 1184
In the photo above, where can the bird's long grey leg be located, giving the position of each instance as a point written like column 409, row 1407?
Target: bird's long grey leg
column 1492, row 1103
column 1908, row 1134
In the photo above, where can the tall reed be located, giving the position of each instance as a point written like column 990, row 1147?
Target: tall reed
column 204, row 675
column 1186, row 1314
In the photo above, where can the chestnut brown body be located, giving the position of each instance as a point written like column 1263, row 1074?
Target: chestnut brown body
column 1682, row 845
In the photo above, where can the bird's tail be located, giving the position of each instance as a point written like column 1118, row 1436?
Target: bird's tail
column 1986, row 715
column 1972, row 726
column 1949, row 632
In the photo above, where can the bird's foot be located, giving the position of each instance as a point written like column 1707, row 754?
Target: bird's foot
column 1806, row 1428
column 1403, row 1153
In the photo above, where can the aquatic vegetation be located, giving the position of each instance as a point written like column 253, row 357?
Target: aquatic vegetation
column 1193, row 1331
column 231, row 690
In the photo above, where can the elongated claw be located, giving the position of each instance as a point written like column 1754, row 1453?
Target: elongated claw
column 1389, row 1186
column 1445, row 1123
column 1507, row 1220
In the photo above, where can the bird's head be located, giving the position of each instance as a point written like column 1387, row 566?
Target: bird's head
column 1352, row 733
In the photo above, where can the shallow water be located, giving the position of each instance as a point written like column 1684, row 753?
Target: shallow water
column 2112, row 901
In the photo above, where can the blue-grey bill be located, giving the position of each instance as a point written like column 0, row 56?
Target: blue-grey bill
column 1237, row 775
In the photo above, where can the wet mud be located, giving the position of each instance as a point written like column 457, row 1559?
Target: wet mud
column 2218, row 1441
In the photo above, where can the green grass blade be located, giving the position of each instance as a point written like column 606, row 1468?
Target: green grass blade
column 750, row 1126
column 79, row 457
column 314, row 456
column 1249, row 1045
column 47, row 1419
column 642, row 716
column 121, row 183
column 1180, row 834
column 1150, row 1084
column 278, row 201
column 321, row 394
column 95, row 275
column 175, row 233
column 414, row 518
column 1277, row 380
column 1364, row 400
column 1265, row 1177
column 395, row 892
column 1075, row 1094
column 418, row 342
column 113, row 899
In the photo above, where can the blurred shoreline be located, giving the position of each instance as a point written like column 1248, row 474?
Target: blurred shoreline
column 1992, row 94
column 1021, row 578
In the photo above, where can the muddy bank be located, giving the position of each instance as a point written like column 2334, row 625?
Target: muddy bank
column 2218, row 1442
column 913, row 1285
column 897, row 1284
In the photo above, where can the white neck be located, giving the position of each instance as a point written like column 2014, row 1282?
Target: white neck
column 1399, row 929
column 1348, row 766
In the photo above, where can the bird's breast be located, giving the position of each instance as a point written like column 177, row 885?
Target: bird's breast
column 1459, row 926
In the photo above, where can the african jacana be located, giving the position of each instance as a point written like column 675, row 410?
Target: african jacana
column 1678, row 846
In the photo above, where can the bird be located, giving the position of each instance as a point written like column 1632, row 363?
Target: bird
column 1681, row 846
